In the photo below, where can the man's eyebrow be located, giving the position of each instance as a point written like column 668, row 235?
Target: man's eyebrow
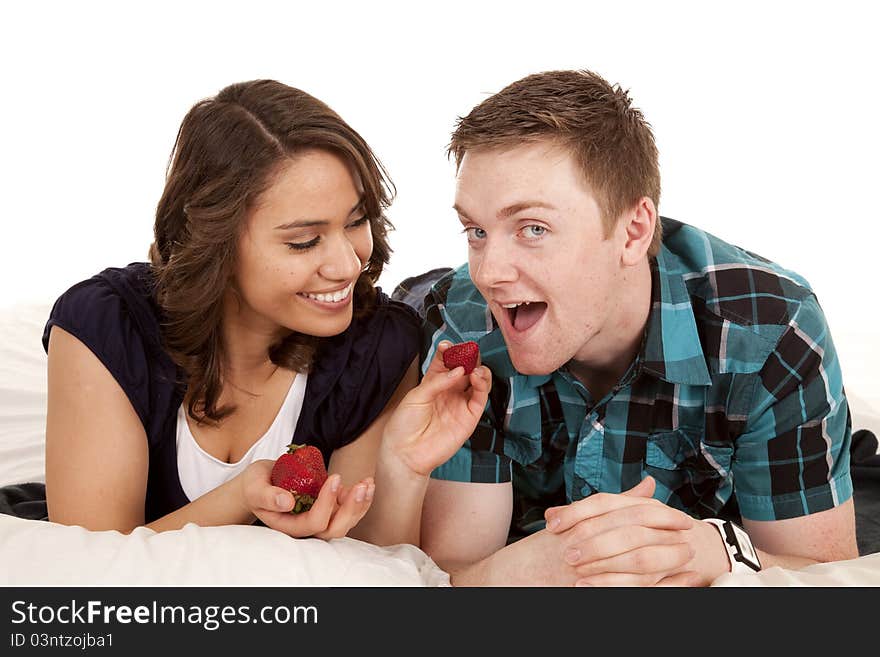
column 511, row 210
column 308, row 223
column 461, row 213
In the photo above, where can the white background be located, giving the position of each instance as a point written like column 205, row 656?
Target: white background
column 765, row 115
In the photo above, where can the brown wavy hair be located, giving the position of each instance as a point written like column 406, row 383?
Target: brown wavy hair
column 608, row 137
column 227, row 152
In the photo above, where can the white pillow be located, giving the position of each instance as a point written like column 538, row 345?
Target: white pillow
column 45, row 553
column 22, row 394
column 864, row 571
column 38, row 553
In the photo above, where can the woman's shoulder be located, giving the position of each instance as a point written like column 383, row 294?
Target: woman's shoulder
column 114, row 306
column 389, row 334
column 386, row 311
column 115, row 316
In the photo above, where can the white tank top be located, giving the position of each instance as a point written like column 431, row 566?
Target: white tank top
column 200, row 472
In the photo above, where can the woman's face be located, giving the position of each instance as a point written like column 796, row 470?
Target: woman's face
column 303, row 247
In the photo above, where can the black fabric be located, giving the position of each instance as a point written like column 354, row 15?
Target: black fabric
column 115, row 314
column 865, row 469
column 26, row 501
column 413, row 290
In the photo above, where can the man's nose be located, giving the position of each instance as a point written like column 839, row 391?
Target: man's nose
column 493, row 265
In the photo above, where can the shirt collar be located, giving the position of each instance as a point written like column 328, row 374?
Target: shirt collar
column 671, row 348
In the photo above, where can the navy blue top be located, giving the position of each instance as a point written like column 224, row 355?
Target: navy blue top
column 115, row 314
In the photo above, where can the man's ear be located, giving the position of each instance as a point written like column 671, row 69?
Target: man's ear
column 638, row 225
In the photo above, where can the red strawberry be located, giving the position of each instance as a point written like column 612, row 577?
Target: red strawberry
column 464, row 354
column 301, row 471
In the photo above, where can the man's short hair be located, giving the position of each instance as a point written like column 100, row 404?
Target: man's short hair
column 608, row 137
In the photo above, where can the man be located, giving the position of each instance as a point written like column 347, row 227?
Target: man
column 645, row 374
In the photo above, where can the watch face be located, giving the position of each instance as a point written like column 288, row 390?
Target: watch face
column 746, row 551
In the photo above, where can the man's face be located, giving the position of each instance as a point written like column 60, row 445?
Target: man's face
column 535, row 235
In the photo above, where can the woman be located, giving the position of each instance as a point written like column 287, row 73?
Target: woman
column 174, row 384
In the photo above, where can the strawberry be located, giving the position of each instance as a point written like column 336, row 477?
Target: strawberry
column 301, row 471
column 464, row 354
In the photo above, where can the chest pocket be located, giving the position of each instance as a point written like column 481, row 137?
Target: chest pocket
column 684, row 464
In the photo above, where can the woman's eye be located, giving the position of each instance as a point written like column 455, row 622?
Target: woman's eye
column 302, row 246
column 534, row 231
column 359, row 222
column 473, row 233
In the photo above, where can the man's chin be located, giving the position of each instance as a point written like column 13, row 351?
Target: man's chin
column 532, row 366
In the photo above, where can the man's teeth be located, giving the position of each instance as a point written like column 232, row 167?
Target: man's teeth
column 333, row 297
column 515, row 305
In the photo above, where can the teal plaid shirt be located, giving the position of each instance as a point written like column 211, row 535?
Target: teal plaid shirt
column 736, row 393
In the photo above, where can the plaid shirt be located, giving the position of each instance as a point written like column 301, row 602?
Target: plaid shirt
column 736, row 393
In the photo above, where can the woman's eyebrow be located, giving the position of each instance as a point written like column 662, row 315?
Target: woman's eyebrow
column 359, row 205
column 308, row 223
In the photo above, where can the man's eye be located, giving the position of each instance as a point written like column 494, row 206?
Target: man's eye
column 534, row 231
column 474, row 233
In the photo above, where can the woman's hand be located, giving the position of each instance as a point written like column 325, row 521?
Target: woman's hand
column 336, row 510
column 436, row 417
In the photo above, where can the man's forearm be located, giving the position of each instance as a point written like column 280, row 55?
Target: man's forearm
column 532, row 561
column 790, row 562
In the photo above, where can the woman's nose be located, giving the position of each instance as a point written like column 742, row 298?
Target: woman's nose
column 342, row 261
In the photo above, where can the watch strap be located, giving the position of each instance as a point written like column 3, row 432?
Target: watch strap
column 741, row 553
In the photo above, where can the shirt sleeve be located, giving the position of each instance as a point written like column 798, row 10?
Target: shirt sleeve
column 477, row 460
column 96, row 315
column 793, row 458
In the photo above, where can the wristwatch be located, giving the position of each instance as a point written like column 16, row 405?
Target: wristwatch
column 740, row 552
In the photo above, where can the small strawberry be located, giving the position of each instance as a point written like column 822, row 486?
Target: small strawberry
column 464, row 354
column 301, row 471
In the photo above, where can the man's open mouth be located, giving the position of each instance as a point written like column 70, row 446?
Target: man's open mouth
column 525, row 315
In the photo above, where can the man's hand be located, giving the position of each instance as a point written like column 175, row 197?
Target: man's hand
column 436, row 417
column 631, row 539
column 336, row 510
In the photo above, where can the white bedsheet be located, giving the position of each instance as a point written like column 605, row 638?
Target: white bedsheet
column 47, row 553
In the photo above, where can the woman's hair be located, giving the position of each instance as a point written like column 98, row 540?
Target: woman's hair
column 227, row 152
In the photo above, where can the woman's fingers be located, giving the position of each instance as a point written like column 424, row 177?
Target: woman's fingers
column 307, row 523
column 434, row 384
column 354, row 504
column 481, row 384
